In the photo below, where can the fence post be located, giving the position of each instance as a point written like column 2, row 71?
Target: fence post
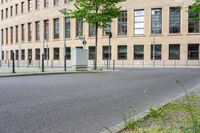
column 42, row 62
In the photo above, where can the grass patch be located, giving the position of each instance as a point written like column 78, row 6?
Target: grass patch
column 174, row 117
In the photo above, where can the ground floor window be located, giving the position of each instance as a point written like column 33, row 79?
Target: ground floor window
column 2, row 55
column 174, row 51
column 37, row 54
column 68, row 53
column 158, row 51
column 56, row 53
column 29, row 54
column 91, row 52
column 22, row 54
column 122, row 52
column 11, row 55
column 107, row 52
column 138, row 52
column 16, row 54
column 193, row 51
column 46, row 53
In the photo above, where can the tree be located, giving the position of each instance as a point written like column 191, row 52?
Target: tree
column 96, row 12
column 195, row 8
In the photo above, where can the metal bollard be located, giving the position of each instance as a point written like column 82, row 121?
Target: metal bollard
column 113, row 65
column 13, row 60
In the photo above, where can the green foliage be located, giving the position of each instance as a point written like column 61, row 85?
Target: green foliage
column 195, row 8
column 157, row 113
column 95, row 12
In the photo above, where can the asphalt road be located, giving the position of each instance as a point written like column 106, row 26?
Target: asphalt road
column 85, row 103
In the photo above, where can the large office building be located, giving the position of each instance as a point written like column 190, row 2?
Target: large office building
column 32, row 27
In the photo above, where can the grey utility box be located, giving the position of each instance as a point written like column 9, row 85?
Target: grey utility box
column 79, row 59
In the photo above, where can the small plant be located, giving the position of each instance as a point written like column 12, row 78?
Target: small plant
column 189, row 106
column 130, row 124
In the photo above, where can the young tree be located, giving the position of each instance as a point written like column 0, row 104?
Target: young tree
column 96, row 12
column 195, row 8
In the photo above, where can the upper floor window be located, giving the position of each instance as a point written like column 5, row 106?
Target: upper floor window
column 22, row 7
column 11, row 11
column 37, row 31
column 6, row 35
column 56, row 28
column 92, row 30
column 1, row 14
column 174, row 19
column 6, row 12
column 2, row 37
column 46, row 3
column 22, row 32
column 29, row 32
column 79, row 27
column 29, row 5
column 16, row 9
column 193, row 25
column 122, row 23
column 67, row 27
column 16, row 34
column 139, row 22
column 11, row 35
column 56, row 2
column 46, row 29
column 156, row 21
column 37, row 4
column 107, row 29
column 67, row 1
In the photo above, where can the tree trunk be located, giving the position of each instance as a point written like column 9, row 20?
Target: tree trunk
column 96, row 42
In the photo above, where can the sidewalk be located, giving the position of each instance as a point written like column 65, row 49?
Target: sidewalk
column 7, row 72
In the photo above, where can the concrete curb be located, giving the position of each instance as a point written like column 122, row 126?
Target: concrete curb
column 49, row 73
column 120, row 126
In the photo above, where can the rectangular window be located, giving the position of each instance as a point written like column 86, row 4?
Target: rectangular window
column 92, row 30
column 46, row 3
column 2, row 37
column 107, row 52
column 156, row 21
column 56, row 28
column 11, row 11
column 139, row 22
column 6, row 35
column 174, row 19
column 22, row 54
column 16, row 9
column 122, row 23
column 56, row 53
column 29, row 32
column 16, row 54
column 37, row 4
column 29, row 5
column 67, row 27
column 37, row 31
column 193, row 51
column 158, row 51
column 46, row 29
column 56, row 2
column 46, row 53
column 11, row 35
column 22, row 7
column 1, row 14
column 68, row 53
column 2, row 55
column 79, row 27
column 193, row 25
column 174, row 51
column 122, row 52
column 16, row 34
column 6, row 12
column 138, row 52
column 91, row 52
column 37, row 54
column 107, row 29
column 30, row 54
column 11, row 55
column 22, row 32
